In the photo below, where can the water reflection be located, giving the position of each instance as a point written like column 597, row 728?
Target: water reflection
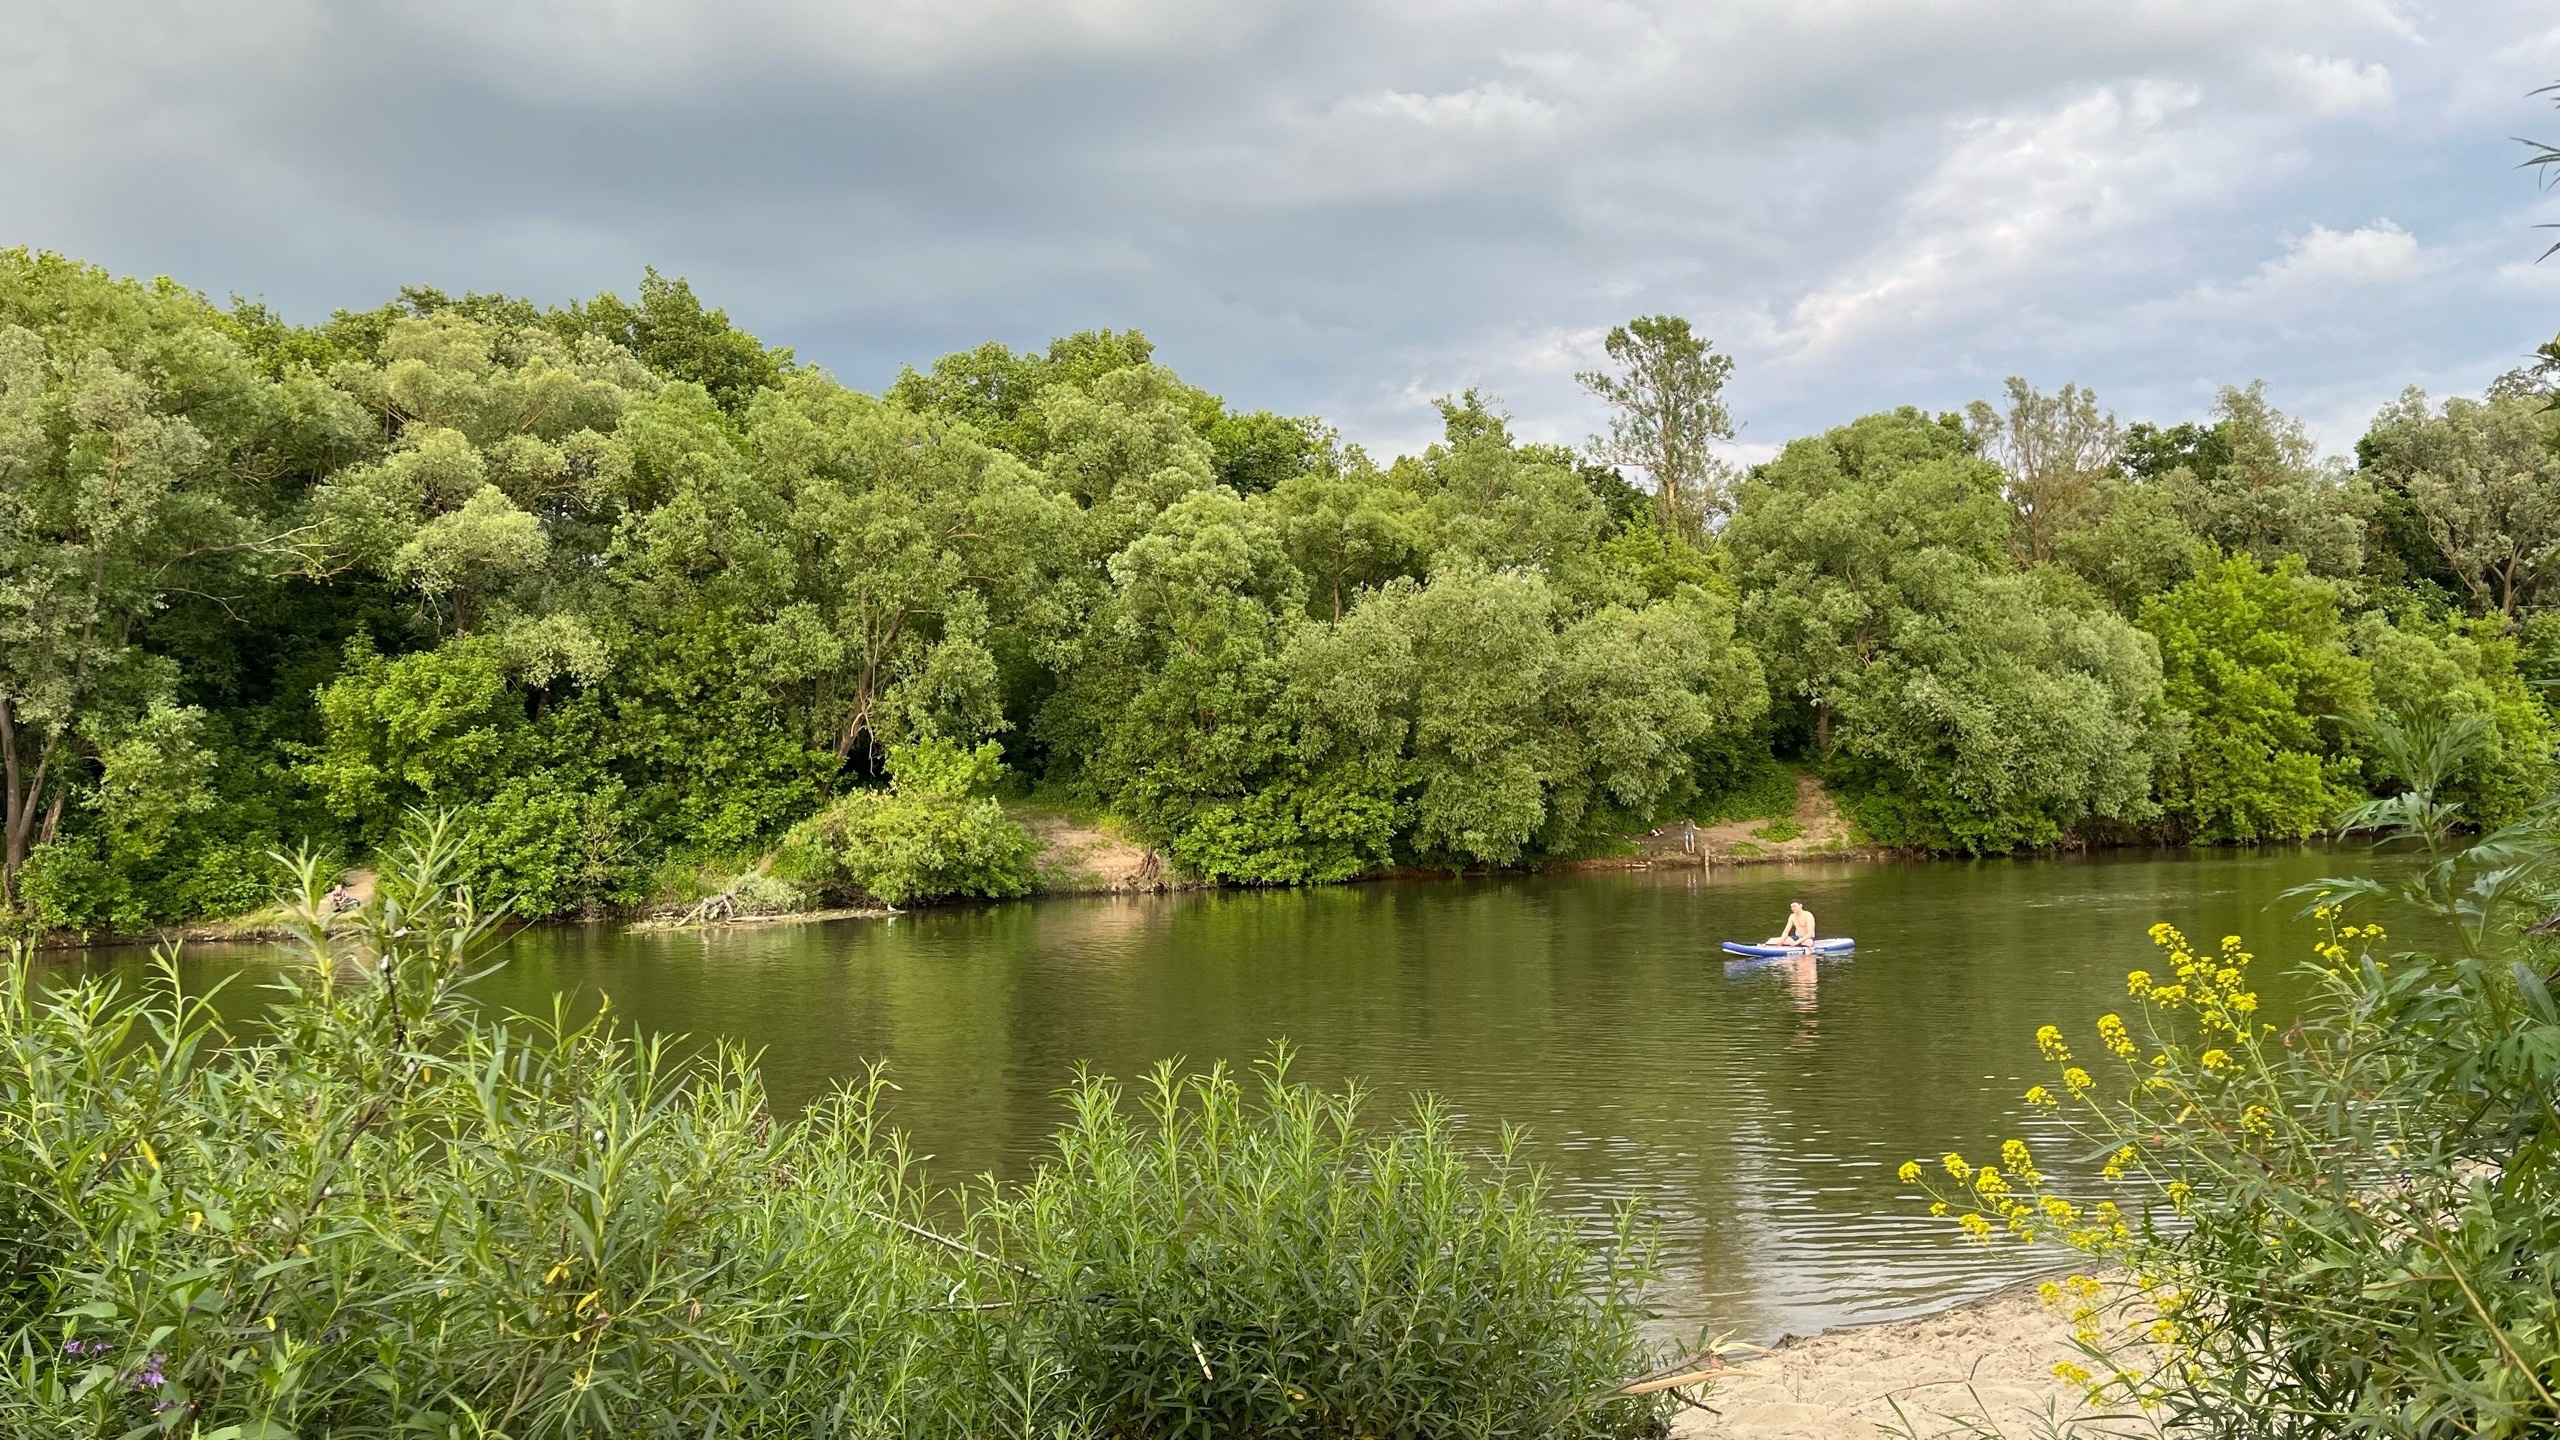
column 1757, row 1112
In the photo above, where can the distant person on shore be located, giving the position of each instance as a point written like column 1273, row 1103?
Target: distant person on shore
column 1799, row 929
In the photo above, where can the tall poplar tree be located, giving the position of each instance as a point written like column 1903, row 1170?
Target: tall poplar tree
column 1668, row 392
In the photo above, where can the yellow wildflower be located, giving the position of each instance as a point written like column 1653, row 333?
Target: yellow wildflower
column 2038, row 1095
column 2111, row 1031
column 1955, row 1165
column 2049, row 1041
column 1909, row 1174
column 2076, row 1080
column 2216, row 1060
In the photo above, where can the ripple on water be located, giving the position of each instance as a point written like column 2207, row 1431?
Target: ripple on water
column 1757, row 1114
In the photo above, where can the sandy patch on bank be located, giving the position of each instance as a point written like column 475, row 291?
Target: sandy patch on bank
column 1983, row 1368
column 1078, row 858
column 1825, row 835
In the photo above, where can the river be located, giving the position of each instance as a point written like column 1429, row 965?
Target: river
column 1756, row 1113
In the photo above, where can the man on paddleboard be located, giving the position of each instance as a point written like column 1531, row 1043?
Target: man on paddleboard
column 1799, row 929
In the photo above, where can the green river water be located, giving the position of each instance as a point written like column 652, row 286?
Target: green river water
column 1758, row 1113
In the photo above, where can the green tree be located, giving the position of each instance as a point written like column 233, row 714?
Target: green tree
column 998, row 391
column 910, row 545
column 668, row 330
column 2441, row 675
column 2057, row 451
column 2253, row 483
column 2483, row 480
column 141, row 456
column 2256, row 660
column 1668, row 392
column 1346, row 534
column 2129, row 542
column 1844, row 538
column 2019, row 715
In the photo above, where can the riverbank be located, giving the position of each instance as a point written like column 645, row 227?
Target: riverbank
column 1980, row 1369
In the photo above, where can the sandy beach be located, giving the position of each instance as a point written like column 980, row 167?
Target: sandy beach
column 1983, row 1368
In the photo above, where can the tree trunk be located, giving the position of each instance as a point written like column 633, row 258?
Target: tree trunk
column 22, row 807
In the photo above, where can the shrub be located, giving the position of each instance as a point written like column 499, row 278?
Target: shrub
column 1274, row 1269
column 2347, row 1227
column 1762, row 790
column 386, row 1215
column 382, row 1212
column 934, row 833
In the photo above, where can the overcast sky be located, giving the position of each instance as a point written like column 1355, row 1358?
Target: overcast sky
column 1348, row 207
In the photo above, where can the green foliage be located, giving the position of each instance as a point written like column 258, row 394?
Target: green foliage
column 673, row 335
column 2452, row 673
column 2253, row 483
column 381, row 1210
column 1763, row 790
column 2017, row 716
column 2346, row 1227
column 935, row 833
column 628, row 588
column 1269, row 1266
column 2479, row 483
column 1960, row 706
column 141, row 454
column 1668, row 395
column 2257, row 662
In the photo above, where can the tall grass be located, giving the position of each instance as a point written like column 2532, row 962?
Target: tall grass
column 384, row 1213
column 1279, row 1270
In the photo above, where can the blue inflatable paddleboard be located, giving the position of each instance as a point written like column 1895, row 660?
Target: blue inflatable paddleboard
column 1840, row 946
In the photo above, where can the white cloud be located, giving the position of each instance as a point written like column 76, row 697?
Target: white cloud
column 2015, row 194
column 2322, row 257
column 612, row 45
column 1402, row 143
column 2336, row 86
column 1349, row 206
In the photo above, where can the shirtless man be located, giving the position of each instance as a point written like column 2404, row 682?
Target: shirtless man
column 1799, row 929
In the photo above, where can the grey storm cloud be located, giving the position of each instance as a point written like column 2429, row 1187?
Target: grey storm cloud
column 1349, row 208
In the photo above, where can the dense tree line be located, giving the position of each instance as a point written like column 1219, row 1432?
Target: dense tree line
column 629, row 591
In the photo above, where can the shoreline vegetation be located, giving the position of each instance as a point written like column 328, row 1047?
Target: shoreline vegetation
column 664, row 618
column 388, row 1212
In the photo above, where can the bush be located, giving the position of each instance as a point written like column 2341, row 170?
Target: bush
column 1274, row 1269
column 381, row 1212
column 2347, row 1227
column 935, row 833
column 1763, row 790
